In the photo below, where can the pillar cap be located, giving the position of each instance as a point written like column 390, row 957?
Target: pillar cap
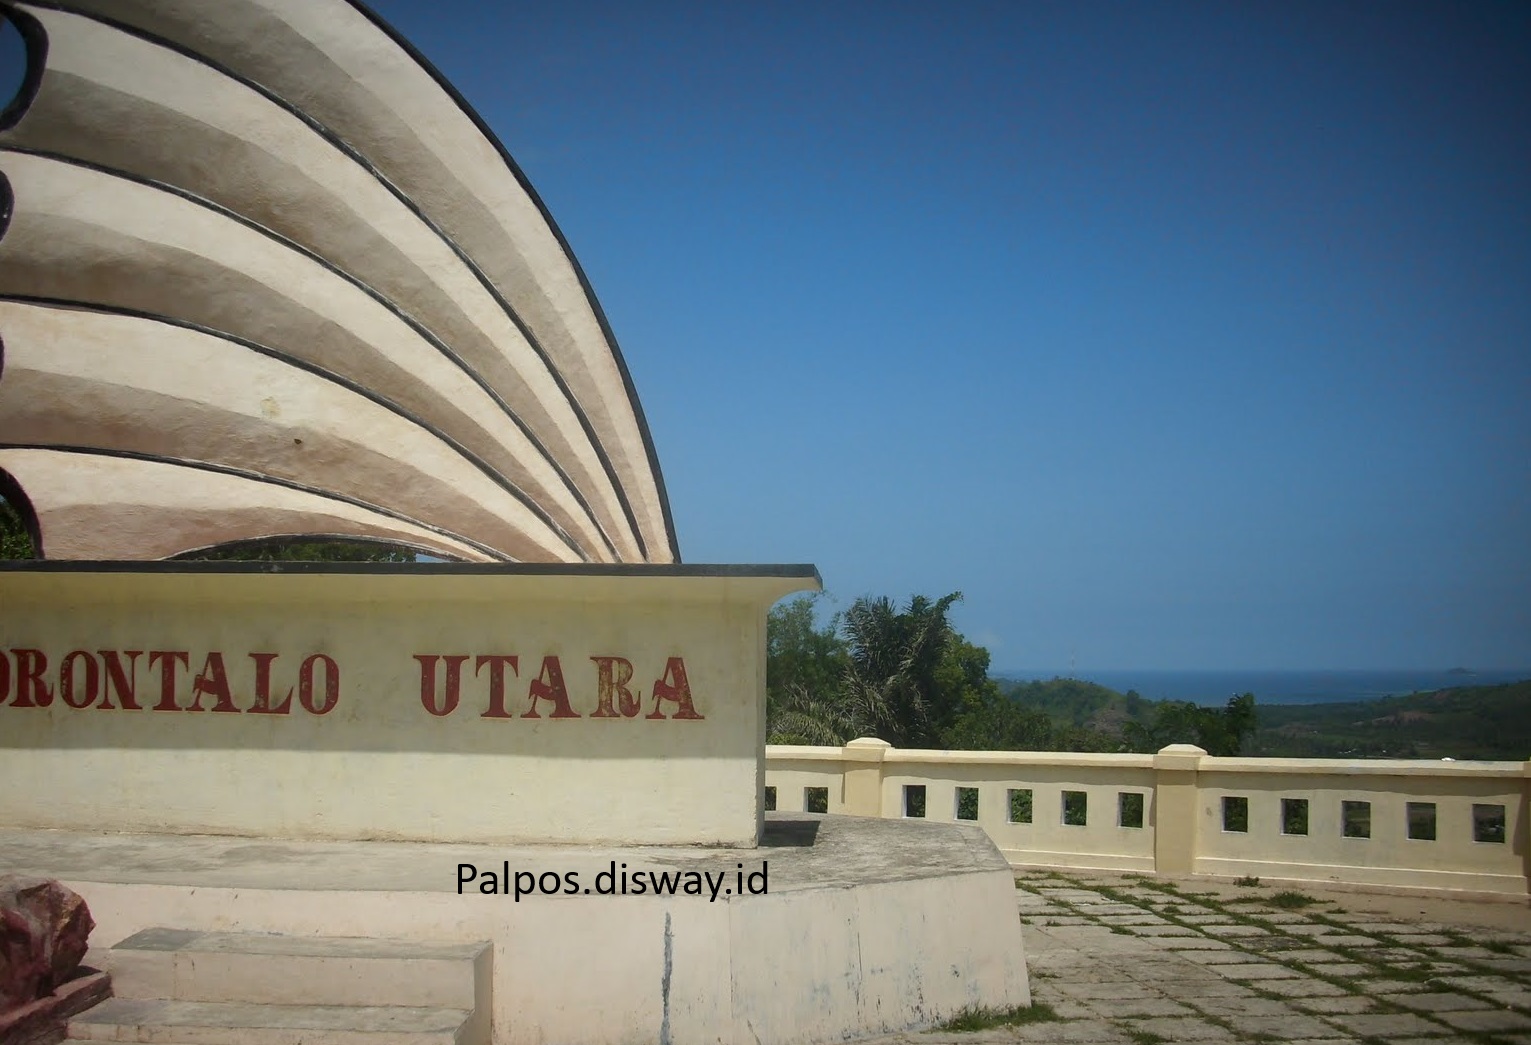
column 1179, row 756
column 866, row 749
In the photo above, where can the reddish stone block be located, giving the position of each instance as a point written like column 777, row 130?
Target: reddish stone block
column 44, row 928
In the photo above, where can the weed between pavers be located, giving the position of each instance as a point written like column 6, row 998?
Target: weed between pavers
column 1147, row 1037
column 985, row 1019
column 1289, row 900
column 1248, row 881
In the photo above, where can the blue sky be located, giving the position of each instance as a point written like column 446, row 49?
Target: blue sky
column 1173, row 335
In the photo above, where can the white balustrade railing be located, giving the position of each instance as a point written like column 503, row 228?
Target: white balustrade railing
column 1407, row 824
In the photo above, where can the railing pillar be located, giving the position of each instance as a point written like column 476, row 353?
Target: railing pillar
column 1176, row 808
column 1523, row 828
column 862, row 761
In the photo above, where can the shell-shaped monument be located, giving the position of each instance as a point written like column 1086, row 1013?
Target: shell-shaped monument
column 264, row 273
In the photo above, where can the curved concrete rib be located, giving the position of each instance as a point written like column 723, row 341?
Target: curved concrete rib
column 82, row 235
column 93, row 506
column 82, row 379
column 121, row 102
column 337, row 63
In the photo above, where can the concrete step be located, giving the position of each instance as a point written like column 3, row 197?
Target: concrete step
column 185, row 965
column 164, row 1022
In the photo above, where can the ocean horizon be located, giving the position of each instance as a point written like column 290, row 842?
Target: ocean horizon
column 1214, row 687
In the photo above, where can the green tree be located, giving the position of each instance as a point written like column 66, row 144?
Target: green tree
column 296, row 549
column 805, row 664
column 1218, row 731
column 891, row 688
column 15, row 541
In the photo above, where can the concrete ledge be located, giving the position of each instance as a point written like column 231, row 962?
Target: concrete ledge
column 866, row 926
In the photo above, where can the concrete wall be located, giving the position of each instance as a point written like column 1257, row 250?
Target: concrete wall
column 1183, row 826
column 322, row 705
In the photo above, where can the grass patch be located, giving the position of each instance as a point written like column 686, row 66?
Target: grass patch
column 1291, row 900
column 1118, row 930
column 1248, row 881
column 986, row 1019
column 1147, row 1037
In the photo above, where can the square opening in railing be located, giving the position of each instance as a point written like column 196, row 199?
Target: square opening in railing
column 1356, row 819
column 1488, row 823
column 1421, row 820
column 1294, row 816
column 1236, row 814
column 967, row 803
column 1129, row 809
column 1020, row 805
column 914, row 800
column 1076, row 808
column 816, row 799
column 770, row 800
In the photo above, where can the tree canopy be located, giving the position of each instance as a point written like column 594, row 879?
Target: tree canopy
column 903, row 674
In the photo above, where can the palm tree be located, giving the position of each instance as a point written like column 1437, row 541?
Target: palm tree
column 890, row 690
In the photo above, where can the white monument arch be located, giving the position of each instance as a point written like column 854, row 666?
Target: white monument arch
column 265, row 274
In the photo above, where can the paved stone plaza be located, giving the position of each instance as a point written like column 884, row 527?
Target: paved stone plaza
column 1125, row 960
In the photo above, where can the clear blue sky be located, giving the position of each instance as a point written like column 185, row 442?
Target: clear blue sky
column 1177, row 336
column 1174, row 335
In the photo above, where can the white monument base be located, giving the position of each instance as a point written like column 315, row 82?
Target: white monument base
column 846, row 928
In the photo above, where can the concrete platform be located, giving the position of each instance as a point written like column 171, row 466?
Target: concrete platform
column 847, row 927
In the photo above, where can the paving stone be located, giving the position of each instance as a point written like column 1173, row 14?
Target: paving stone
column 1388, row 987
column 1437, row 1002
column 1123, row 990
column 1243, row 1007
column 1344, row 969
column 1193, row 943
column 1464, row 954
column 1166, row 930
column 1229, row 957
column 1283, row 1027
column 1388, row 1024
column 1068, row 1032
column 1120, row 1008
column 1283, row 918
column 1207, row 919
column 1306, row 929
column 1488, row 1020
column 1330, row 1006
column 1306, row 987
column 1521, row 999
column 1421, row 939
column 1506, row 964
column 1256, row 971
column 1313, row 955
column 1481, row 984
column 1183, row 1029
column 1341, row 940
column 1236, row 930
column 1140, row 918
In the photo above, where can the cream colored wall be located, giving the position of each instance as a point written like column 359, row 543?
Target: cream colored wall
column 379, row 764
column 1183, row 831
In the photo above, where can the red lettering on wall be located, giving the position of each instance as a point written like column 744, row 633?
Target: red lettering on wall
column 31, row 690
column 331, row 684
column 212, row 681
column 548, row 685
column 496, row 664
column 448, row 703
column 5, row 677
column 674, row 686
column 612, row 676
column 125, row 682
column 262, row 705
column 66, row 679
column 168, row 659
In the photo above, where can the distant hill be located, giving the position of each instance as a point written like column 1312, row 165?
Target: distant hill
column 1074, row 702
column 1464, row 722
